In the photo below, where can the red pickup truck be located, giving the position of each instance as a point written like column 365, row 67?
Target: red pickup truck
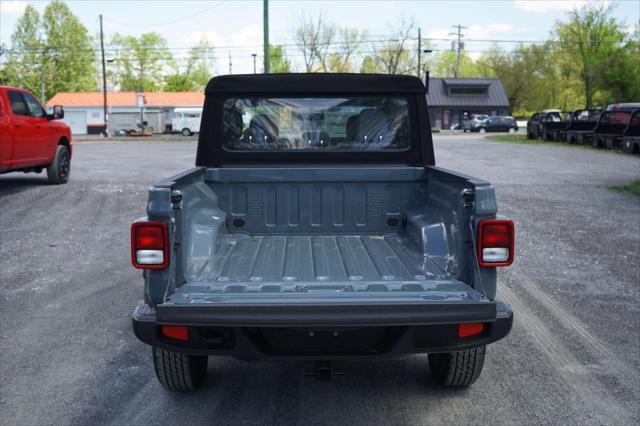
column 32, row 140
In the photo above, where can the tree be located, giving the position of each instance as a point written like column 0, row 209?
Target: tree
column 444, row 65
column 348, row 43
column 25, row 63
column 197, row 71
column 278, row 61
column 53, row 51
column 69, row 54
column 313, row 37
column 393, row 57
column 621, row 73
column 141, row 61
column 589, row 39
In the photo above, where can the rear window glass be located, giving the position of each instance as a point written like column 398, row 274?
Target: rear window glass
column 616, row 117
column 337, row 123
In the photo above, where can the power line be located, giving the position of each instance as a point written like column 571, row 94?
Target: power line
column 159, row 24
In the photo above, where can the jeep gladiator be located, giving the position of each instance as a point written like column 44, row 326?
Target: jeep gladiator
column 631, row 135
column 581, row 125
column 316, row 226
column 32, row 140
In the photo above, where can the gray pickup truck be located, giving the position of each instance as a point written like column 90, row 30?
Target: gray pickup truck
column 316, row 226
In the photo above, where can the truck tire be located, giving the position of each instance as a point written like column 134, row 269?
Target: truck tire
column 59, row 169
column 179, row 372
column 457, row 369
column 186, row 132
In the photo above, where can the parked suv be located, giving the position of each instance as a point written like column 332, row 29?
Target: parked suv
column 32, row 140
column 631, row 135
column 581, row 124
column 496, row 124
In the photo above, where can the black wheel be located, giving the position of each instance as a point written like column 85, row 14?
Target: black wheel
column 186, row 132
column 529, row 135
column 179, row 372
column 545, row 135
column 60, row 168
column 457, row 369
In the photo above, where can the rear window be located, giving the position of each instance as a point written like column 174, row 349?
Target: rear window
column 335, row 123
column 615, row 117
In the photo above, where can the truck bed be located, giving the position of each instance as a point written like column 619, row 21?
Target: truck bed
column 328, row 263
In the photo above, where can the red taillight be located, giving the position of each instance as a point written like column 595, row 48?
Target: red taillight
column 149, row 245
column 495, row 242
column 178, row 332
column 470, row 329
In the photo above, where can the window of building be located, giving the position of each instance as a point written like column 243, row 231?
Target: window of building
column 467, row 90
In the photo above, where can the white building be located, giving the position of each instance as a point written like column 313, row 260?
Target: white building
column 83, row 111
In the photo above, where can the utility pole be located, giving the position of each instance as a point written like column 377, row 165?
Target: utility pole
column 104, row 79
column 254, row 61
column 42, row 91
column 458, row 46
column 230, row 64
column 265, row 24
column 419, row 53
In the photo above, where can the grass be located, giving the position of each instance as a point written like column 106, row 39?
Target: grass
column 522, row 139
column 631, row 187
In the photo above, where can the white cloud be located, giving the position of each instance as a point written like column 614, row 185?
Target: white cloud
column 12, row 7
column 474, row 31
column 479, row 31
column 543, row 6
column 196, row 36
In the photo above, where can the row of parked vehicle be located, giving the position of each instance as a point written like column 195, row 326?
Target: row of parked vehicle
column 617, row 127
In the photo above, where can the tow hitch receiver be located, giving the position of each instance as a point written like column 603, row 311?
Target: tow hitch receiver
column 322, row 370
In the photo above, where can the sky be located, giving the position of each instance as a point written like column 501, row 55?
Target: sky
column 235, row 26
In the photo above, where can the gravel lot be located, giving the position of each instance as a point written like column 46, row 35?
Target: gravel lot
column 68, row 354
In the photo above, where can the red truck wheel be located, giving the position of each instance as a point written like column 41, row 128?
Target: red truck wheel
column 60, row 168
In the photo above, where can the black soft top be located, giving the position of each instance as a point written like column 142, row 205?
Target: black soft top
column 320, row 82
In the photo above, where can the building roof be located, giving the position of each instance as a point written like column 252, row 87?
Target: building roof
column 127, row 99
column 438, row 95
column 315, row 82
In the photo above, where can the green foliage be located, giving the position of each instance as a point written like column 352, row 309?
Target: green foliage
column 55, row 48
column 197, row 71
column 589, row 40
column 631, row 187
column 278, row 61
column 141, row 62
column 444, row 65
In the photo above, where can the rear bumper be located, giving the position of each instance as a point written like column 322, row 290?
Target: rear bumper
column 322, row 331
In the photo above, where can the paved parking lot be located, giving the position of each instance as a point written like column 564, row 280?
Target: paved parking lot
column 68, row 355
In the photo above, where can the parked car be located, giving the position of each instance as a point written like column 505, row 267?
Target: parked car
column 320, row 230
column 631, row 134
column 186, row 121
column 474, row 120
column 581, row 124
column 496, row 124
column 32, row 140
column 554, row 126
column 548, row 125
column 609, row 130
column 626, row 107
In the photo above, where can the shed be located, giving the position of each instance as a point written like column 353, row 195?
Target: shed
column 450, row 100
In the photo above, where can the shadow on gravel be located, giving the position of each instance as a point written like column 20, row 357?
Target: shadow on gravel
column 237, row 392
column 15, row 184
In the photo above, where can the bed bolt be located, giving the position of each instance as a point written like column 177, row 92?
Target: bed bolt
column 311, row 334
column 335, row 334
